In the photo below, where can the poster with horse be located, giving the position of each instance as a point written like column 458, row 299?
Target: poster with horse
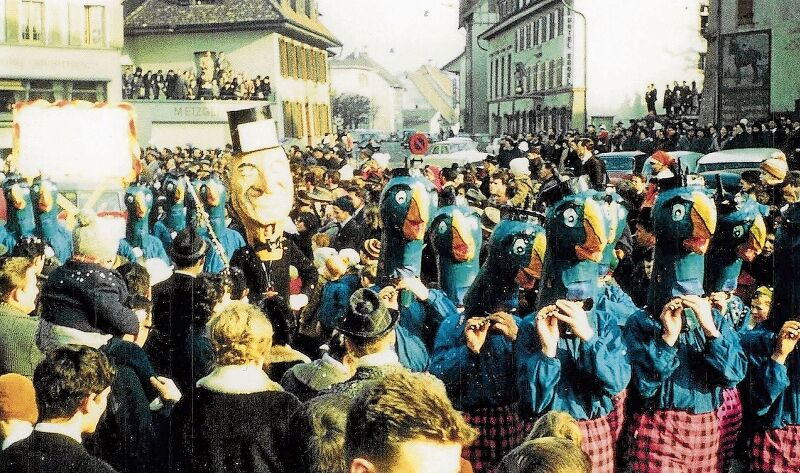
column 746, row 60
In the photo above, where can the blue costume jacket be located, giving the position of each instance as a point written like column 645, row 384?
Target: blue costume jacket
column 472, row 380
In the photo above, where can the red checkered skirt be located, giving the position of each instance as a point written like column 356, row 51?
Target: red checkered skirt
column 730, row 423
column 598, row 443
column 776, row 451
column 500, row 430
column 616, row 418
column 674, row 441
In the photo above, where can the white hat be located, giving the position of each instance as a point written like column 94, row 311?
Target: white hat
column 382, row 159
column 350, row 256
column 321, row 254
column 520, row 166
column 346, row 172
column 523, row 146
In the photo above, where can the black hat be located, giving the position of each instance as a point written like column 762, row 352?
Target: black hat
column 187, row 248
column 367, row 317
column 252, row 129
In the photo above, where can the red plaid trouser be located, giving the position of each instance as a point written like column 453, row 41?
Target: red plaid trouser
column 500, row 430
column 598, row 443
column 616, row 418
column 776, row 451
column 674, row 441
column 730, row 423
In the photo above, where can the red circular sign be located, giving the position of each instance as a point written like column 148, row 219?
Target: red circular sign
column 418, row 143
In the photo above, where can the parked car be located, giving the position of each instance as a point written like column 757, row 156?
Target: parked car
column 454, row 150
column 730, row 165
column 619, row 164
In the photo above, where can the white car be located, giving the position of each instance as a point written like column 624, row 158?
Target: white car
column 454, row 150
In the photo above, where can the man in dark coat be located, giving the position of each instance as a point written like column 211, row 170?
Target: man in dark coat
column 351, row 232
column 590, row 165
column 172, row 300
column 72, row 387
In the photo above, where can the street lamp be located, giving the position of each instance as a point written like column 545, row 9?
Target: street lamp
column 585, row 62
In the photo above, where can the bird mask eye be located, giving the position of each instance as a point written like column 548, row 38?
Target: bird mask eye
column 519, row 246
column 738, row 231
column 570, row 217
column 678, row 212
column 442, row 227
column 401, row 197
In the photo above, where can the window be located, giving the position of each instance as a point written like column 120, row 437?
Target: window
column 284, row 58
column 542, row 31
column 560, row 22
column 550, row 74
column 288, row 122
column 701, row 62
column 516, row 40
column 551, row 30
column 323, row 67
column 535, row 78
column 363, row 81
column 560, row 72
column 311, row 65
column 90, row 91
column 301, row 63
column 297, row 114
column 94, row 32
column 535, row 32
column 744, row 10
column 41, row 89
column 508, row 75
column 31, row 20
column 545, row 27
column 530, row 35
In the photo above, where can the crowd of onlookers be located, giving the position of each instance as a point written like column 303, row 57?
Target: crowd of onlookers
column 214, row 80
column 677, row 100
column 202, row 372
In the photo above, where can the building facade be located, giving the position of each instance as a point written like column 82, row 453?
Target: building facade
column 475, row 16
column 753, row 58
column 280, row 39
column 58, row 50
column 360, row 74
column 562, row 65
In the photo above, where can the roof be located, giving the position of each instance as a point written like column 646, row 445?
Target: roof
column 170, row 16
column 748, row 155
column 454, row 65
column 365, row 62
column 437, row 89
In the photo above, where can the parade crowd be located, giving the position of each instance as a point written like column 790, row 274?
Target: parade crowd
column 215, row 81
column 516, row 314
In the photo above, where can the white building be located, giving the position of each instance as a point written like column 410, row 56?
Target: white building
column 360, row 74
column 280, row 39
column 58, row 50
column 539, row 50
column 429, row 100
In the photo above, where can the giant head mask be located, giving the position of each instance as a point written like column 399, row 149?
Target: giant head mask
column 261, row 188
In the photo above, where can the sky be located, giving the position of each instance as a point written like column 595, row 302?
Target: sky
column 400, row 35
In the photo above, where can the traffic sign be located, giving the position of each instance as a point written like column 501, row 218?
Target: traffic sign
column 418, row 143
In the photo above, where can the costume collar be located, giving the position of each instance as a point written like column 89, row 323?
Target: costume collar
column 66, row 430
column 238, row 379
column 378, row 359
column 21, row 431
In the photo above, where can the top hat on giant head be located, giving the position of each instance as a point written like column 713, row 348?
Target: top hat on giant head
column 252, row 129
